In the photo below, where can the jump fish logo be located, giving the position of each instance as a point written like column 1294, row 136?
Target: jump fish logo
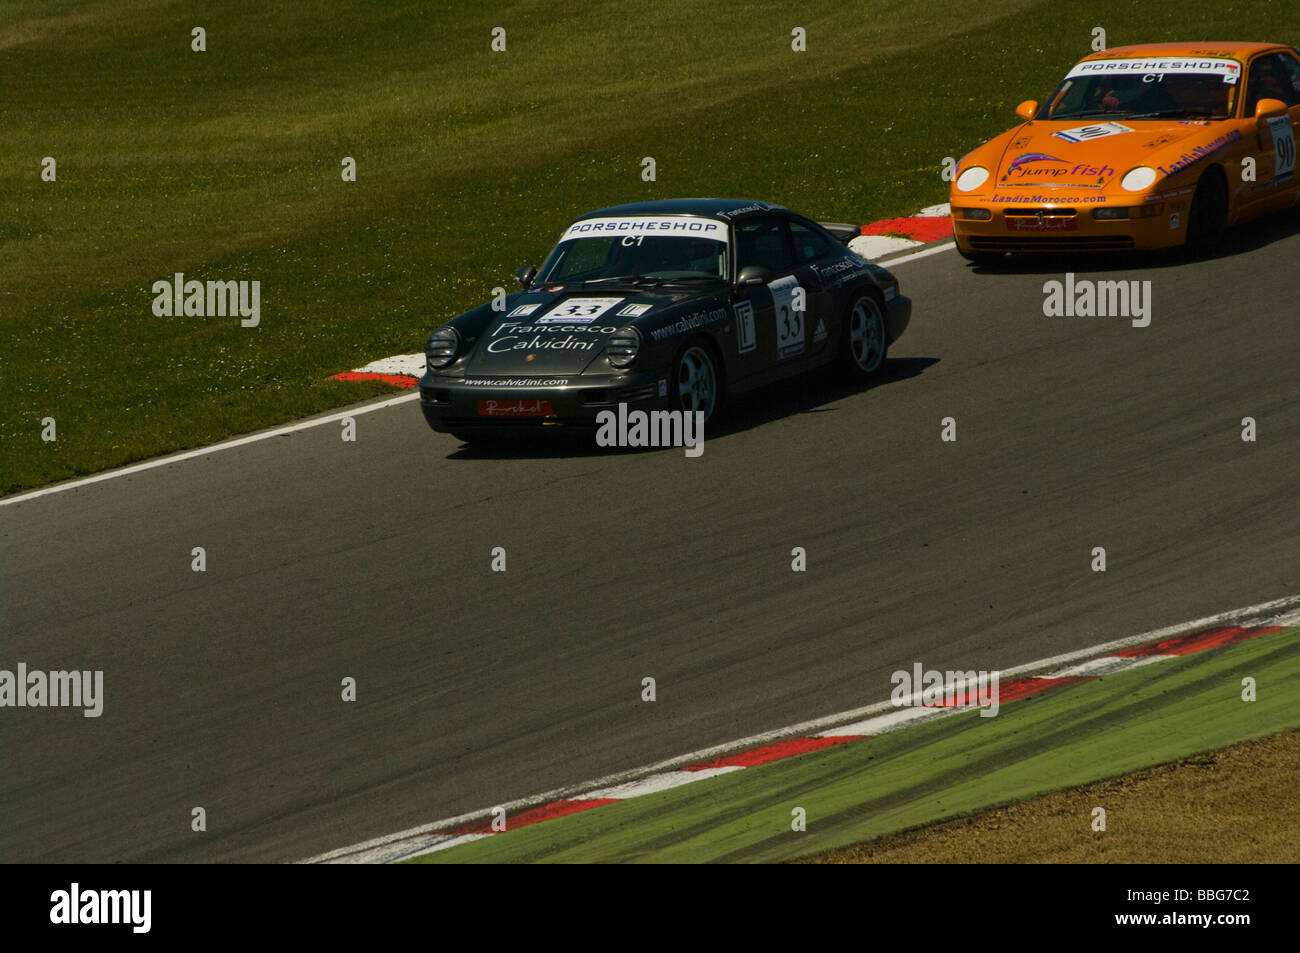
column 1029, row 157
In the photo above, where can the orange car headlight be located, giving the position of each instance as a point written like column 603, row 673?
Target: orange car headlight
column 972, row 178
column 1139, row 179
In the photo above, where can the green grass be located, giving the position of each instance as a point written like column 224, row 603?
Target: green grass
column 934, row 771
column 225, row 165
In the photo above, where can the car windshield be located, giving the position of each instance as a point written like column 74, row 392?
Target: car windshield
column 638, row 250
column 1119, row 89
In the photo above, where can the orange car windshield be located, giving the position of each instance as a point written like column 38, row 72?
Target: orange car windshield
column 1152, row 95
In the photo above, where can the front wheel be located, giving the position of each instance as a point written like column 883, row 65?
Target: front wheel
column 696, row 385
column 865, row 342
column 1208, row 216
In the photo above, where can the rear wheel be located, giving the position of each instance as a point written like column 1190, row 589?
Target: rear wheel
column 1208, row 216
column 865, row 342
column 696, row 385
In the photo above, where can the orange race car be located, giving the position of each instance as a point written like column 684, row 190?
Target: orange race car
column 1151, row 146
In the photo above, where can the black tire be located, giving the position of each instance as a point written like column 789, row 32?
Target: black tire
column 1208, row 217
column 864, row 342
column 697, row 379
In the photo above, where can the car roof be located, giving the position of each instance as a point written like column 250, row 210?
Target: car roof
column 1234, row 49
column 713, row 208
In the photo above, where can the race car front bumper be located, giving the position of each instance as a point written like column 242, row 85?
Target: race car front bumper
column 530, row 405
column 1070, row 228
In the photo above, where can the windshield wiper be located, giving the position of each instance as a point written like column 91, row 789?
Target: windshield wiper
column 630, row 279
column 1169, row 114
column 1092, row 114
column 1120, row 114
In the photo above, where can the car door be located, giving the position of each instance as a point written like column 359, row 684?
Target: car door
column 1271, row 77
column 763, row 312
column 1288, row 67
column 780, row 309
column 812, row 247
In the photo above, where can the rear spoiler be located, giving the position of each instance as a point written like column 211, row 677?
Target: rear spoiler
column 845, row 233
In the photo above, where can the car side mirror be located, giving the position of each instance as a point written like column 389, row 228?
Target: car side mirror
column 1028, row 109
column 525, row 276
column 1270, row 108
column 753, row 275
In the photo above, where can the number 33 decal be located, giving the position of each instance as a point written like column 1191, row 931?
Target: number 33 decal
column 791, row 326
column 578, row 311
column 789, row 322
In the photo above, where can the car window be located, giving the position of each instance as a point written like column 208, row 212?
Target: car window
column 808, row 244
column 1269, row 79
column 1290, row 66
column 583, row 259
column 764, row 242
column 667, row 256
column 1126, row 88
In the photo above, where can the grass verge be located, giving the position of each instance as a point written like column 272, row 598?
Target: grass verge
column 225, row 165
column 938, row 770
column 1235, row 805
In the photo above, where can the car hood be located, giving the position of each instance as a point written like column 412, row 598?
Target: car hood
column 563, row 330
column 1094, row 155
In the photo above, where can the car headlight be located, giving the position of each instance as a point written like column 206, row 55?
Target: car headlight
column 442, row 347
column 1113, row 211
column 1136, row 180
column 622, row 347
column 972, row 178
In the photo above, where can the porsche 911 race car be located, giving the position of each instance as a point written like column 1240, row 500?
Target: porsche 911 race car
column 667, row 305
column 1139, row 147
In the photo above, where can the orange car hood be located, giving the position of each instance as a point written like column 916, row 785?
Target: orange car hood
column 1091, row 154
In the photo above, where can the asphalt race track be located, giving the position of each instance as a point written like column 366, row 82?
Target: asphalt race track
column 328, row 559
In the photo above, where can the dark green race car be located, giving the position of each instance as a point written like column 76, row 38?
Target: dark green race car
column 673, row 305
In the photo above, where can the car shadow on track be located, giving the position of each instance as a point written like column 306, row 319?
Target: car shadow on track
column 811, row 392
column 1238, row 240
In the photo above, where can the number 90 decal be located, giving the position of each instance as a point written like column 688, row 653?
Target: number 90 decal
column 1283, row 146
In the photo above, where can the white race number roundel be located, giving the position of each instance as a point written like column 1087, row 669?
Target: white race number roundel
column 578, row 311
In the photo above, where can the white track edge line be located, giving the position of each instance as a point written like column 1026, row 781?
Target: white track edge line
column 291, row 428
column 912, row 256
column 202, row 451
column 806, row 727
